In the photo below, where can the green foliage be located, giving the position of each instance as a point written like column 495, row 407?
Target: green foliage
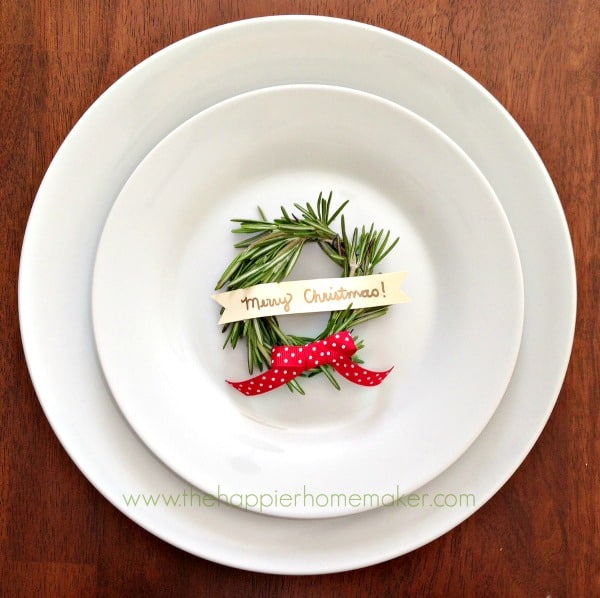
column 270, row 253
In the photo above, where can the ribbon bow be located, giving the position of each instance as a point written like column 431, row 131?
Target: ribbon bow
column 288, row 362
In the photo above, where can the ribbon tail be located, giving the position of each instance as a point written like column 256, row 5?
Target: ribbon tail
column 267, row 381
column 356, row 373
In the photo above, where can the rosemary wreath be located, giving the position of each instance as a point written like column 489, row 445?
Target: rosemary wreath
column 270, row 254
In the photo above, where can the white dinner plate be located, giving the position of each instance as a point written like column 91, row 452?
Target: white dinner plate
column 88, row 173
column 168, row 239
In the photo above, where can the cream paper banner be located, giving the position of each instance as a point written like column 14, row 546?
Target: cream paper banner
column 306, row 296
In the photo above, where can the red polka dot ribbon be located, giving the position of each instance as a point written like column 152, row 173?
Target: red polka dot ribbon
column 289, row 362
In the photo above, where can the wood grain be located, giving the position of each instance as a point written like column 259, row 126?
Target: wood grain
column 539, row 536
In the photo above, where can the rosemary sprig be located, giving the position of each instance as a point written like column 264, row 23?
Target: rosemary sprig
column 270, row 253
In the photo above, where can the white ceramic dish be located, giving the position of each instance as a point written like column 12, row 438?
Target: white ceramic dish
column 454, row 345
column 100, row 154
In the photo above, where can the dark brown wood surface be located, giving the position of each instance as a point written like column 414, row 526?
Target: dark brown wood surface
column 539, row 536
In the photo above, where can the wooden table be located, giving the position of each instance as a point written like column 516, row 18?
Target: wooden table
column 539, row 536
